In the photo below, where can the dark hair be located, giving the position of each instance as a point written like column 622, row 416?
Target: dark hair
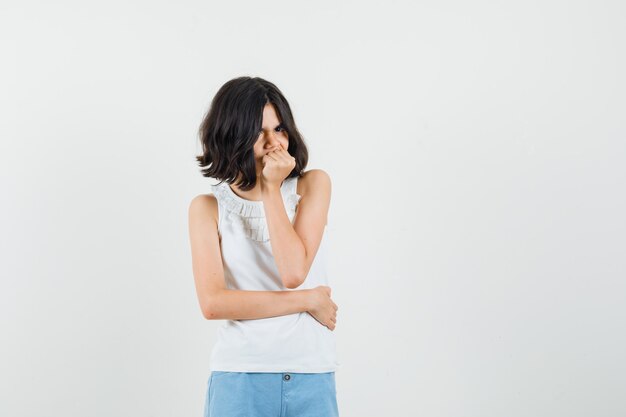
column 231, row 127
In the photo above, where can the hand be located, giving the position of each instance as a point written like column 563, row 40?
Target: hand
column 323, row 309
column 277, row 165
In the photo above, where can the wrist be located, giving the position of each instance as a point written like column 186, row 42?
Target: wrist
column 306, row 301
column 269, row 187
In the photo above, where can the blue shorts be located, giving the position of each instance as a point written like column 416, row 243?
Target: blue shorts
column 271, row 394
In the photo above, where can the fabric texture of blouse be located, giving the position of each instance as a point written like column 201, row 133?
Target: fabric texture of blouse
column 290, row 343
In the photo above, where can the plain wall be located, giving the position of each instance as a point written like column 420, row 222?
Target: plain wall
column 477, row 154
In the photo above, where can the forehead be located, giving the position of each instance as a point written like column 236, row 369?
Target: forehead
column 270, row 117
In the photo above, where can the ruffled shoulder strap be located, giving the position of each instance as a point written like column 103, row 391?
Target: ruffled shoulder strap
column 290, row 193
column 227, row 198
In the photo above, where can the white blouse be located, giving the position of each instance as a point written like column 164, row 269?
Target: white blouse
column 290, row 343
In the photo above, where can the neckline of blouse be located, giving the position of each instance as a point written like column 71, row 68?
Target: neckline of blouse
column 251, row 202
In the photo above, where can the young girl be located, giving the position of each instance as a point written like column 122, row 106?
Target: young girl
column 259, row 260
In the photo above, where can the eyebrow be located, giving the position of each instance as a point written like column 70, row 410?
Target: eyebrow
column 280, row 124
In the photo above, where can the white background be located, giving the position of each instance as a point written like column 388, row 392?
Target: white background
column 477, row 153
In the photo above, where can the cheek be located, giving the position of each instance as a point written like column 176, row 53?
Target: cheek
column 258, row 151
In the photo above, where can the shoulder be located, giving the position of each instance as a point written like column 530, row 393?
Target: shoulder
column 203, row 206
column 314, row 181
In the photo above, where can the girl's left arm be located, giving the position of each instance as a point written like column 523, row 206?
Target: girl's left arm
column 294, row 247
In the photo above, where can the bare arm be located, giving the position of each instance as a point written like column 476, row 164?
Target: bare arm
column 244, row 304
column 294, row 247
column 216, row 300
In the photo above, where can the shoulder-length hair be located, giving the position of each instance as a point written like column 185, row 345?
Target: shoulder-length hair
column 232, row 125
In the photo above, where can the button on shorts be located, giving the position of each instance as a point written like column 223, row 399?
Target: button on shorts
column 271, row 394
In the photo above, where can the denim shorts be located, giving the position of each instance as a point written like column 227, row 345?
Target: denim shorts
column 271, row 394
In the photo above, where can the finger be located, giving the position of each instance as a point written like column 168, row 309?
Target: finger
column 280, row 154
column 282, row 150
column 271, row 156
column 270, row 151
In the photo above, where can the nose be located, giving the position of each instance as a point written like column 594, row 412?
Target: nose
column 272, row 140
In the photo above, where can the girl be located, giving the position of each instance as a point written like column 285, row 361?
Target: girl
column 258, row 252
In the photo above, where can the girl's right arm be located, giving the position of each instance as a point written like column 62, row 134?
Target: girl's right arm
column 218, row 302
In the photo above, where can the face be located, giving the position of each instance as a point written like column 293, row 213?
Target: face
column 271, row 135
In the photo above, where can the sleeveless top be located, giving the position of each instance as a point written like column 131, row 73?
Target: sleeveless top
column 289, row 343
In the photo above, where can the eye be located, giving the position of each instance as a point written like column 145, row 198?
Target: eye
column 279, row 128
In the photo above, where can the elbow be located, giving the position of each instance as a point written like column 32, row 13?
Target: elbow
column 209, row 309
column 292, row 285
column 212, row 314
column 209, row 314
column 293, row 281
